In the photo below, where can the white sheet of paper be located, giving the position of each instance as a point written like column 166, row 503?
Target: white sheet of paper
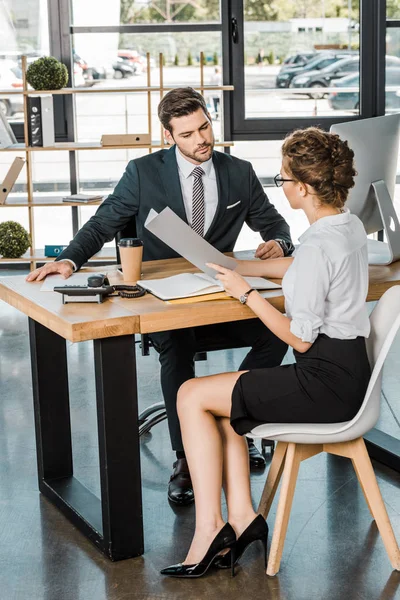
column 55, row 280
column 177, row 234
column 185, row 285
column 258, row 283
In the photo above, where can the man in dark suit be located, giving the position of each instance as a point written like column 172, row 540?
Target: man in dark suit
column 213, row 192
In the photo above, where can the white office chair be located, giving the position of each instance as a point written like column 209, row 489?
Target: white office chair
column 297, row 442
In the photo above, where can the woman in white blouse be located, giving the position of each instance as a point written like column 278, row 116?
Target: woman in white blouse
column 326, row 323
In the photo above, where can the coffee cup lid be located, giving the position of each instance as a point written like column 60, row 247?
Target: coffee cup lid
column 130, row 242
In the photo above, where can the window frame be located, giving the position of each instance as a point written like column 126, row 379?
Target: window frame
column 372, row 72
column 373, row 25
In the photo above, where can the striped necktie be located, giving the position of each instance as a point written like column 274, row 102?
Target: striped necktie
column 198, row 208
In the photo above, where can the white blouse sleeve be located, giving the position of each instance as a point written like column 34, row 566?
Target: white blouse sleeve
column 311, row 287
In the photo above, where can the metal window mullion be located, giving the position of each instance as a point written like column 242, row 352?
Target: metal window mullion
column 372, row 57
column 65, row 54
column 393, row 23
column 237, row 66
column 380, row 58
column 150, row 28
column 226, row 70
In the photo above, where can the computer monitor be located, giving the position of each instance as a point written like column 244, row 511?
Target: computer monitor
column 375, row 143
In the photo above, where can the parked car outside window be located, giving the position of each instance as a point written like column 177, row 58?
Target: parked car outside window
column 323, row 78
column 285, row 76
column 350, row 100
column 298, row 60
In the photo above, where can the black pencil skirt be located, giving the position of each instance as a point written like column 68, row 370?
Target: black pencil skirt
column 327, row 384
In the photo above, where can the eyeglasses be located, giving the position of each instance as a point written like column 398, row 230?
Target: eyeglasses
column 279, row 180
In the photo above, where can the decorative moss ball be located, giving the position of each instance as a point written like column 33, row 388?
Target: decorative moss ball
column 47, row 73
column 14, row 239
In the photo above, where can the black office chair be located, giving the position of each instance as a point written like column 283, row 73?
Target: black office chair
column 156, row 413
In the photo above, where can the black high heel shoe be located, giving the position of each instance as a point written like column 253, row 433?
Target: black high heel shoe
column 257, row 530
column 226, row 538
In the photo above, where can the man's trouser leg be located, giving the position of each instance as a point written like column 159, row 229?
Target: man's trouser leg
column 177, row 349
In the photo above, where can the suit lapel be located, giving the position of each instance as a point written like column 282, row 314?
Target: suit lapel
column 222, row 175
column 168, row 170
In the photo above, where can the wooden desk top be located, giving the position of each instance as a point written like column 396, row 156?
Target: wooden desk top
column 122, row 316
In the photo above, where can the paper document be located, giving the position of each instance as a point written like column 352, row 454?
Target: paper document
column 83, row 198
column 55, row 280
column 187, row 285
column 177, row 234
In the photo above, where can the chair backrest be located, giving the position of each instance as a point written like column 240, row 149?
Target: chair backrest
column 385, row 322
column 128, row 231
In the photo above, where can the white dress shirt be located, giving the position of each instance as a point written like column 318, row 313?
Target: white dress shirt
column 185, row 169
column 326, row 286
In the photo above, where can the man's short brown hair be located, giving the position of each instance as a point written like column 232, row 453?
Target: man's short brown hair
column 179, row 103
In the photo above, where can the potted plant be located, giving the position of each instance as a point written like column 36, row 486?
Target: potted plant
column 14, row 239
column 47, row 73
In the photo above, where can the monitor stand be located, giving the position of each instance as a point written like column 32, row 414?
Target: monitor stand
column 382, row 253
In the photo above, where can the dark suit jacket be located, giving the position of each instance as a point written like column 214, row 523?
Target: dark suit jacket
column 152, row 181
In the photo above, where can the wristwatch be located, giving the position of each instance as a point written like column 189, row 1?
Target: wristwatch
column 287, row 247
column 243, row 299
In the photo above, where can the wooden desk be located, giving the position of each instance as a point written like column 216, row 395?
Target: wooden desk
column 114, row 523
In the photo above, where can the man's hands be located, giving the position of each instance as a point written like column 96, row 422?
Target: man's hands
column 64, row 268
column 233, row 283
column 269, row 249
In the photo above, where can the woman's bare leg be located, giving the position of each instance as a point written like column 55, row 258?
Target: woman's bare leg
column 202, row 404
column 236, row 476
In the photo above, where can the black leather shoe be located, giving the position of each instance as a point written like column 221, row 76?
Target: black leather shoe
column 226, row 538
column 257, row 530
column 257, row 461
column 180, row 490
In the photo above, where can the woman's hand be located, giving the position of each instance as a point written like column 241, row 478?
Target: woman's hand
column 233, row 283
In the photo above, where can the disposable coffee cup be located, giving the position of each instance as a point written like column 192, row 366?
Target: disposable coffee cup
column 131, row 252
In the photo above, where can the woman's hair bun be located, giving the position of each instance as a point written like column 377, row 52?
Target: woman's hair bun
column 323, row 161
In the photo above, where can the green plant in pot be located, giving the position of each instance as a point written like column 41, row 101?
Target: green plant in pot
column 14, row 239
column 47, row 73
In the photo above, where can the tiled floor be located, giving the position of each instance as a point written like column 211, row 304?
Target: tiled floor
column 332, row 550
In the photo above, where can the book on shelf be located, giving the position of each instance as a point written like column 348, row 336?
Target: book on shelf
column 126, row 139
column 84, row 198
column 41, row 120
column 7, row 137
column 10, row 178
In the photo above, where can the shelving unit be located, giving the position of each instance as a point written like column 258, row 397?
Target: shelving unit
column 104, row 254
column 44, row 201
column 30, row 201
column 69, row 146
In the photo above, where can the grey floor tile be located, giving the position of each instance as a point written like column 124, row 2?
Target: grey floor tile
column 332, row 550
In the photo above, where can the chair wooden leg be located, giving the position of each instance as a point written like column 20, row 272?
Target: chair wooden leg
column 367, row 479
column 273, row 479
column 362, row 487
column 292, row 463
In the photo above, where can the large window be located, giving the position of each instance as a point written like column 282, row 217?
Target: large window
column 110, row 42
column 124, row 12
column 247, row 43
column 23, row 30
column 392, row 71
column 308, row 62
column 295, row 53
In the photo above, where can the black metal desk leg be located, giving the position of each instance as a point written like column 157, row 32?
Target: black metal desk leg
column 117, row 415
column 51, row 403
column 383, row 447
